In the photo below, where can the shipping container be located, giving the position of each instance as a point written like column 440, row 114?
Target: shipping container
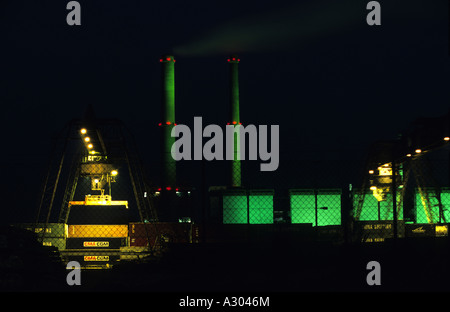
column 133, row 252
column 96, row 242
column 57, row 242
column 330, row 233
column 95, row 259
column 195, row 233
column 96, row 230
column 377, row 231
column 441, row 230
column 54, row 230
column 140, row 242
column 169, row 232
column 97, row 214
column 421, row 230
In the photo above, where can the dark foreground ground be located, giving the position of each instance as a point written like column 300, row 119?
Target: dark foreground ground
column 309, row 267
column 287, row 266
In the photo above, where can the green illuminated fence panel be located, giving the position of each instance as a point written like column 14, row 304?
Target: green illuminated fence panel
column 261, row 207
column 386, row 207
column 445, row 200
column 372, row 210
column 234, row 208
column 303, row 203
column 369, row 210
column 432, row 215
column 329, row 207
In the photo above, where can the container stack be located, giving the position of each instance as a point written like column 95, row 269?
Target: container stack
column 92, row 237
column 51, row 234
column 155, row 234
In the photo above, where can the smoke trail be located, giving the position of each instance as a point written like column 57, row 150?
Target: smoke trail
column 276, row 30
column 289, row 26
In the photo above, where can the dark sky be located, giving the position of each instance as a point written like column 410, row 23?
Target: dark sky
column 332, row 83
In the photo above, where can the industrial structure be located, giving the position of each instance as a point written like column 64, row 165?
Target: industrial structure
column 98, row 207
column 235, row 120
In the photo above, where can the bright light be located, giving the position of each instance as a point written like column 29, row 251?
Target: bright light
column 114, row 173
column 408, row 155
column 371, row 171
column 168, row 188
column 83, row 131
column 418, row 151
column 373, row 188
column 447, row 139
column 87, row 139
column 90, row 146
column 96, row 180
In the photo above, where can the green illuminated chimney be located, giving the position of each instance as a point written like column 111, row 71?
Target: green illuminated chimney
column 235, row 174
column 168, row 164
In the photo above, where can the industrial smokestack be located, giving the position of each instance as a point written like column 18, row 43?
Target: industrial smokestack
column 168, row 164
column 235, row 174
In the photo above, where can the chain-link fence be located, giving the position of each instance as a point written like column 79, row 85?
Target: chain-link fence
column 98, row 203
column 352, row 205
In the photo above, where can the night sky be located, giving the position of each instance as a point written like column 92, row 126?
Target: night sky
column 332, row 83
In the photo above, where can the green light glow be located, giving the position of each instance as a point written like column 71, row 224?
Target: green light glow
column 331, row 200
column 234, row 117
column 234, row 209
column 261, row 209
column 303, row 207
column 168, row 115
column 421, row 216
column 369, row 211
